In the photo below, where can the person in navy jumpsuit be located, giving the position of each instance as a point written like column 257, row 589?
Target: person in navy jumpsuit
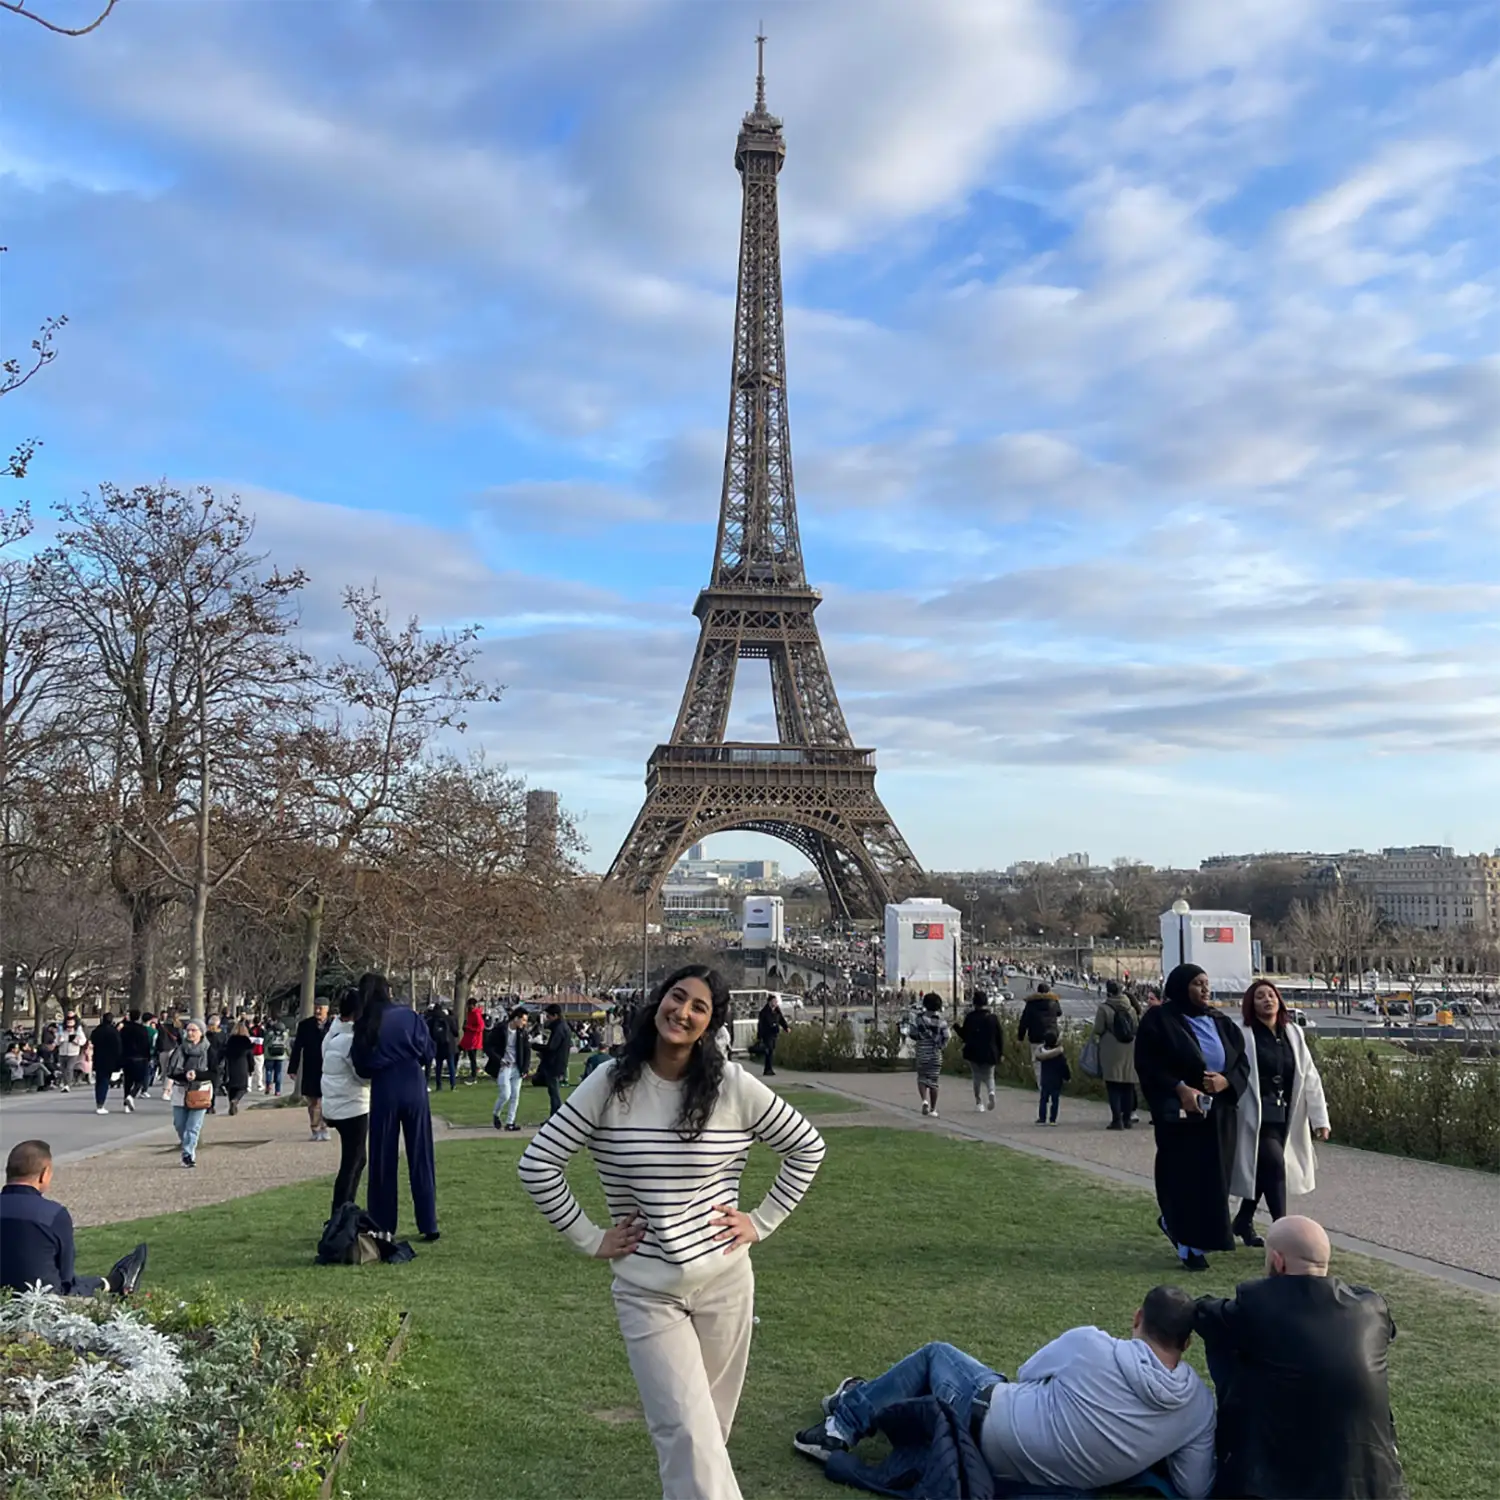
column 392, row 1048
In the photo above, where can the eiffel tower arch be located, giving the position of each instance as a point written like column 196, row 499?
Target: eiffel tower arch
column 813, row 788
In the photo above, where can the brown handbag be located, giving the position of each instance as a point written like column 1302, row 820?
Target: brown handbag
column 198, row 1098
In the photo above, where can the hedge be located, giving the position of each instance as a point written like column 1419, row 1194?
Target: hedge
column 1434, row 1107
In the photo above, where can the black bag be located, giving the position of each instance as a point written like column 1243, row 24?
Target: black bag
column 1122, row 1024
column 352, row 1238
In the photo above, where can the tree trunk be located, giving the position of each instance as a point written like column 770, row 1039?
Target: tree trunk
column 312, row 936
column 9, row 979
column 143, row 936
column 461, row 982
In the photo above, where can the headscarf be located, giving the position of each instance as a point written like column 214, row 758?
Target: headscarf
column 1175, row 990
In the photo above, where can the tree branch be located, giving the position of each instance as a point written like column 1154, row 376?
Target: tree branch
column 18, row 7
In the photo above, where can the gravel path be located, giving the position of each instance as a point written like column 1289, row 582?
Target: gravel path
column 1443, row 1220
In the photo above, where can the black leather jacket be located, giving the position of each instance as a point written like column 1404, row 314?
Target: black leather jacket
column 1304, row 1405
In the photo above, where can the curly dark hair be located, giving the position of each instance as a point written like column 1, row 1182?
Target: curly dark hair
column 705, row 1070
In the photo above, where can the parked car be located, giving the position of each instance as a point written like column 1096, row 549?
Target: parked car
column 1302, row 1018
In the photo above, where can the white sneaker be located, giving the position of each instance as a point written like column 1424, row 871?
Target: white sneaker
column 926, row 1108
column 67, row 1088
column 934, row 1114
column 979, row 1106
column 129, row 1107
column 101, row 1110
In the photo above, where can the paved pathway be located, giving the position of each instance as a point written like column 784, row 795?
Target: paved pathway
column 1441, row 1220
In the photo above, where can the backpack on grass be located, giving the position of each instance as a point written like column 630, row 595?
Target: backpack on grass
column 1122, row 1024
column 352, row 1238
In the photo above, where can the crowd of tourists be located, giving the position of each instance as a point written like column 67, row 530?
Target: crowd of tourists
column 669, row 1119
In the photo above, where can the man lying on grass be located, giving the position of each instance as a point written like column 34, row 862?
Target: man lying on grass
column 36, row 1235
column 1087, row 1412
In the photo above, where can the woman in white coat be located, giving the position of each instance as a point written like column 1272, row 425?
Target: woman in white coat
column 1279, row 1114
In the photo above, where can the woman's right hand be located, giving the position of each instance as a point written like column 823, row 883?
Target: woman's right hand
column 1188, row 1097
column 622, row 1239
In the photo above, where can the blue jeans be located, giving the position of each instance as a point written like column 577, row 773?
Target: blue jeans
column 509, row 1094
column 937, row 1370
column 1050, row 1094
column 188, row 1123
column 274, row 1067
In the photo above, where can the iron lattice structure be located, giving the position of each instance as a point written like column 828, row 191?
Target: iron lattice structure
column 814, row 788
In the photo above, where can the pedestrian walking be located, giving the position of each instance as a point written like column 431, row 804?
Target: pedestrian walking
column 553, row 1055
column 216, row 1040
column 472, row 1041
column 135, row 1059
column 164, row 1041
column 306, row 1067
column 192, row 1088
column 346, row 1100
column 508, row 1046
column 104, row 1041
column 276, row 1048
column 392, row 1048
column 239, row 1051
column 1114, row 1029
column 444, row 1046
column 1279, row 1113
column 1052, row 1073
column 769, row 1025
column 929, row 1034
column 1041, row 1013
column 71, row 1044
column 984, row 1046
column 1192, row 1065
column 258, row 1055
column 671, row 1110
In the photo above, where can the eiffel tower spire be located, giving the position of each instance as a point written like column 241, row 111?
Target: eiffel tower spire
column 813, row 788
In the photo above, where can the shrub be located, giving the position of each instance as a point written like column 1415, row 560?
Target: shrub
column 818, row 1048
column 248, row 1403
column 1435, row 1107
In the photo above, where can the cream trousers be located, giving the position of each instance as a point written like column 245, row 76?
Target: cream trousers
column 688, row 1354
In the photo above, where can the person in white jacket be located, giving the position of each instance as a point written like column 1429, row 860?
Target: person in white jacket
column 1279, row 1114
column 346, row 1101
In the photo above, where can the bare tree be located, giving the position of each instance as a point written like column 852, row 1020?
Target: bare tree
column 182, row 677
column 380, row 709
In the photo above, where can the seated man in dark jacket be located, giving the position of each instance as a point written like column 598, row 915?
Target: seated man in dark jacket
column 36, row 1234
column 1298, row 1360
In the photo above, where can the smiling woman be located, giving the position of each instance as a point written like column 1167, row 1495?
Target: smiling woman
column 670, row 1124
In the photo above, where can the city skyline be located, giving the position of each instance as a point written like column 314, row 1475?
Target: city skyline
column 1145, row 409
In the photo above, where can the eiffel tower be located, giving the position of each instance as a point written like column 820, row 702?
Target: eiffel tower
column 813, row 788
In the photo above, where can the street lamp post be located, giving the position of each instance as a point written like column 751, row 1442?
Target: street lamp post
column 1180, row 910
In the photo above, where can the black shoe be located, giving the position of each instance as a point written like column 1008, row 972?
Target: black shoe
column 1114, row 1125
column 1247, row 1233
column 1195, row 1262
column 512, row 1127
column 817, row 1442
column 126, row 1275
column 431, row 1235
column 496, row 1122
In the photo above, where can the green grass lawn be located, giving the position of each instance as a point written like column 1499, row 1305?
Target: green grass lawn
column 474, row 1106
column 515, row 1381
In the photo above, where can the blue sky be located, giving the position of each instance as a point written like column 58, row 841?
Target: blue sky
column 1144, row 360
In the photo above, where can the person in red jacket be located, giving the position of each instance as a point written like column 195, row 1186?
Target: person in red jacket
column 472, row 1040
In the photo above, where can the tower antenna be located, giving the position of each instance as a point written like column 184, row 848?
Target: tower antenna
column 760, row 68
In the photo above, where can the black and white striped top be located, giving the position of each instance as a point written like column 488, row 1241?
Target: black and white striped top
column 645, row 1165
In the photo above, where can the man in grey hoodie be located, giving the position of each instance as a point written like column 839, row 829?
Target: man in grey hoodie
column 1086, row 1412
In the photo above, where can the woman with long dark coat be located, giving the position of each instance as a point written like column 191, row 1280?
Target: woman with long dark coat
column 239, row 1053
column 392, row 1047
column 1192, row 1069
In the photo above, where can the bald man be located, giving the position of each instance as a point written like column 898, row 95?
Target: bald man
column 1298, row 1361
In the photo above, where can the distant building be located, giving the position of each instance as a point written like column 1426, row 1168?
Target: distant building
column 541, row 824
column 1430, row 886
column 695, row 867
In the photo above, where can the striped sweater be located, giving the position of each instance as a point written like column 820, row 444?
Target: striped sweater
column 646, row 1166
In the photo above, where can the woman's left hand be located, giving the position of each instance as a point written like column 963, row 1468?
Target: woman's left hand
column 1322, row 1132
column 1215, row 1083
column 734, row 1226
